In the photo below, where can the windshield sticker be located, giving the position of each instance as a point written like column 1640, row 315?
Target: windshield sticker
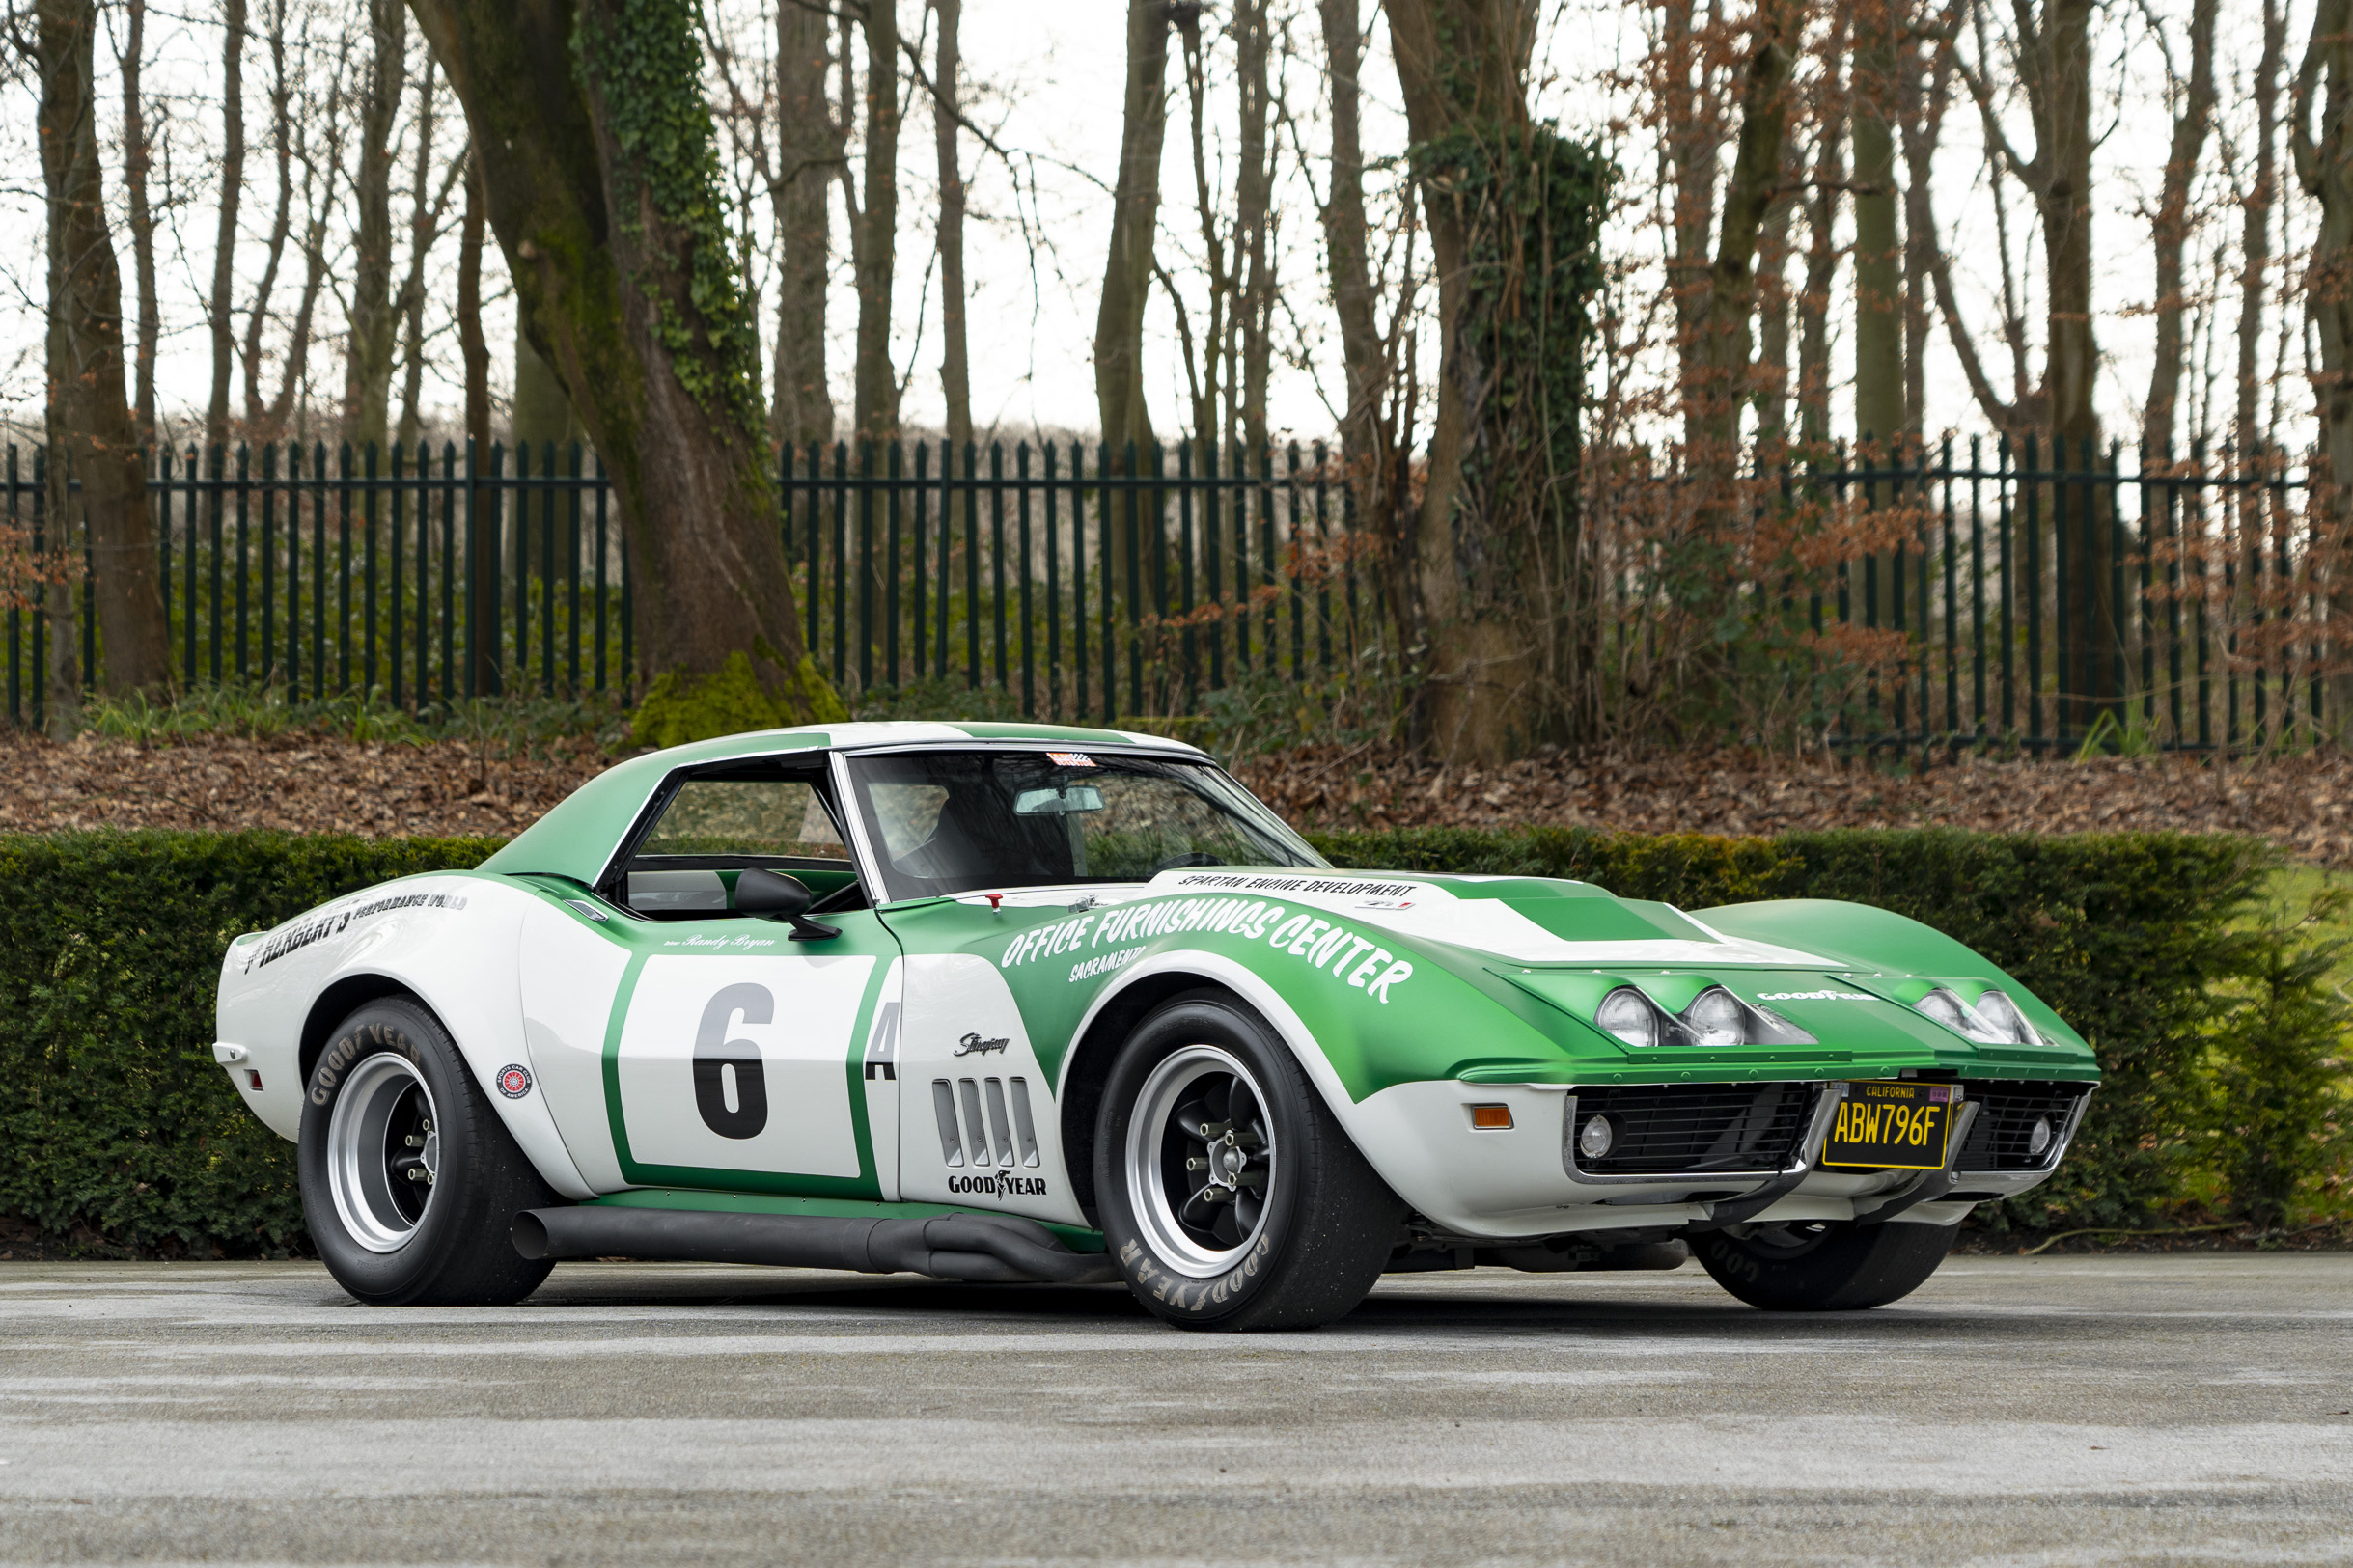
column 1072, row 759
column 1298, row 884
column 1327, row 945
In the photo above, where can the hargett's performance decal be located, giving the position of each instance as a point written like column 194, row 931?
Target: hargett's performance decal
column 1328, row 946
column 334, row 921
column 515, row 1081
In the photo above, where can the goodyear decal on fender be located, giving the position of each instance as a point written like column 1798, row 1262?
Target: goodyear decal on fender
column 1326, row 945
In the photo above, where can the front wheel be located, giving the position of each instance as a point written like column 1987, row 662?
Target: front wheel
column 1823, row 1267
column 1229, row 1193
column 410, row 1183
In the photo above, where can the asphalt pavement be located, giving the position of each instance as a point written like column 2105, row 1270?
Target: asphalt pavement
column 2050, row 1411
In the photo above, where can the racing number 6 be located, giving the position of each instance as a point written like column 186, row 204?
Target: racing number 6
column 715, row 1056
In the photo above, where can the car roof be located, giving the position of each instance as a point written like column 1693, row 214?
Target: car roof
column 577, row 834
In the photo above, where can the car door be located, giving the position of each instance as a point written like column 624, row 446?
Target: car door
column 735, row 1052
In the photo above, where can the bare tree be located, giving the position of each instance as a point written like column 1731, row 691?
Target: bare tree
column 2321, row 135
column 473, row 350
column 1254, row 259
column 809, row 138
column 281, row 221
column 1135, row 216
column 876, row 232
column 138, row 159
column 645, row 322
column 1821, row 241
column 91, row 432
column 1348, row 239
column 1873, row 109
column 956, row 366
column 2257, row 205
column 2170, row 229
column 371, row 314
column 430, row 203
column 320, row 164
column 221, row 312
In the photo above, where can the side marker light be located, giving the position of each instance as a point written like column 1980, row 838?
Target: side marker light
column 1492, row 1116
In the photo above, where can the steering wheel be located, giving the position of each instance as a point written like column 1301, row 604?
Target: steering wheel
column 1195, row 856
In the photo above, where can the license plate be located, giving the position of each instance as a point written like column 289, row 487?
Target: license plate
column 1892, row 1126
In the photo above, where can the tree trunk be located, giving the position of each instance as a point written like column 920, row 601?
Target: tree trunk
column 541, row 414
column 809, row 152
column 1513, row 219
column 1347, row 242
column 1748, row 198
column 1135, row 214
column 374, row 316
column 601, row 177
column 482, row 556
column 281, row 223
column 1879, row 410
column 955, row 371
column 2322, row 136
column 92, row 434
column 137, row 159
column 424, row 228
column 2170, row 231
column 1821, row 252
column 222, row 312
column 317, row 204
column 2255, row 243
column 875, row 409
column 2094, row 646
column 1253, row 241
column 1686, row 83
column 473, row 349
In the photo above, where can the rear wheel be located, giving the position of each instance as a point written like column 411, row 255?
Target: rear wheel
column 1823, row 1267
column 409, row 1180
column 1229, row 1193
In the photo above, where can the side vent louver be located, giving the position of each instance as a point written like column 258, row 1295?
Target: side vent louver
column 972, row 1136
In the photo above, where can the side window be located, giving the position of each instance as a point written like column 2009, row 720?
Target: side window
column 757, row 817
column 712, row 829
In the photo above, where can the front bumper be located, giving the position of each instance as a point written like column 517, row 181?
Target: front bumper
column 1693, row 1156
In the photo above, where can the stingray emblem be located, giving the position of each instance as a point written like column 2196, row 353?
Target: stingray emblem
column 972, row 1045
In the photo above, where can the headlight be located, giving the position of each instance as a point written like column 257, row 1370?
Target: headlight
column 1715, row 1017
column 1994, row 1020
column 1999, row 1011
column 1628, row 1014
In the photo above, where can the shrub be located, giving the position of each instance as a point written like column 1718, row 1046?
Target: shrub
column 2219, row 1033
column 116, row 1128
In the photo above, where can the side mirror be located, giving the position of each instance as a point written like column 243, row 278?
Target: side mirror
column 773, row 895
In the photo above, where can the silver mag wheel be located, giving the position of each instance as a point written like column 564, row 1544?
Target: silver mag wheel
column 1200, row 1160
column 383, row 1152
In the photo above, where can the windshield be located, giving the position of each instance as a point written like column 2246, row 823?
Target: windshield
column 947, row 822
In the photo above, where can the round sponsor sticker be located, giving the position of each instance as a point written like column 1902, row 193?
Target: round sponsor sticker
column 515, row 1081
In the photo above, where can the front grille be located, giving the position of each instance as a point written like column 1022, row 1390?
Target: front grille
column 2001, row 1137
column 1701, row 1129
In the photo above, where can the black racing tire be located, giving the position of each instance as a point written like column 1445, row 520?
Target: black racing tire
column 389, row 1090
column 1824, row 1268
column 1300, row 1247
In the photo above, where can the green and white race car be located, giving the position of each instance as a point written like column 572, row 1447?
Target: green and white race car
column 1038, row 1003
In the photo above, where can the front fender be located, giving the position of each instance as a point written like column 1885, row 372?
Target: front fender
column 450, row 939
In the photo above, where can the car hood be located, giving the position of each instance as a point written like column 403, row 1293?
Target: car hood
column 1523, row 920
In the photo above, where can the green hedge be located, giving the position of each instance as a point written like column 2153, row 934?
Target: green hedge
column 116, row 1131
column 2219, row 1033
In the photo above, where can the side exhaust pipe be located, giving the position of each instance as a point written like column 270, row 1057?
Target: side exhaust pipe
column 993, row 1248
